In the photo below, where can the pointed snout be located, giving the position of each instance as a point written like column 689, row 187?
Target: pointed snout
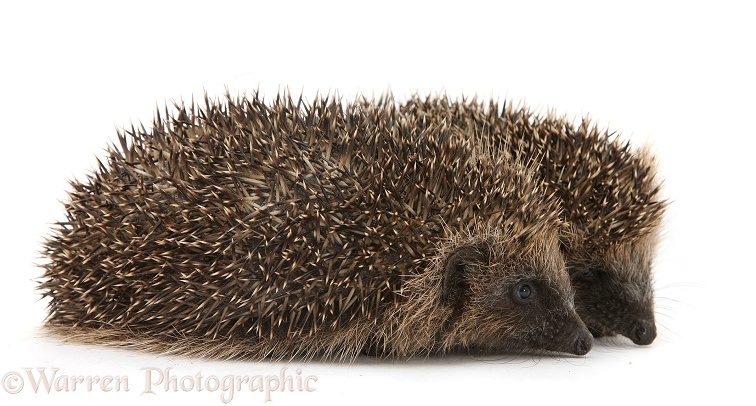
column 582, row 343
column 643, row 332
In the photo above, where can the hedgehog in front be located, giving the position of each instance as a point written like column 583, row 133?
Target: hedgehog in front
column 295, row 230
column 611, row 198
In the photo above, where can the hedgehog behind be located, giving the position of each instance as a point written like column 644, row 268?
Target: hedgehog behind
column 610, row 195
column 247, row 230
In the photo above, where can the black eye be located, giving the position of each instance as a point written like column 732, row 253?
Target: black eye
column 523, row 292
column 588, row 275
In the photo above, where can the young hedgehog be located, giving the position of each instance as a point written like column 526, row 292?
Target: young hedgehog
column 611, row 200
column 289, row 230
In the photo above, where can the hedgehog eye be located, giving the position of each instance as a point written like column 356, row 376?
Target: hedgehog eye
column 588, row 275
column 523, row 292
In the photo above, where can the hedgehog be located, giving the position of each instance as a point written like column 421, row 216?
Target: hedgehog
column 610, row 194
column 290, row 229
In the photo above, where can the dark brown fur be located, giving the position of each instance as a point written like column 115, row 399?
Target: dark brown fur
column 243, row 229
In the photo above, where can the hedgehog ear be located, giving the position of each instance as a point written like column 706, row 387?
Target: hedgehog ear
column 454, row 284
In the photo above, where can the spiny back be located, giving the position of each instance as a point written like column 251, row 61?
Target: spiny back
column 608, row 190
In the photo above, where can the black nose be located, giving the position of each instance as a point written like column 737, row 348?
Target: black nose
column 643, row 332
column 583, row 343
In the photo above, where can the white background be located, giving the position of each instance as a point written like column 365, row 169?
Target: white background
column 680, row 75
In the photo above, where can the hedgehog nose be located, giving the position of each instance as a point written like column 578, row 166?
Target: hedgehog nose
column 643, row 332
column 583, row 343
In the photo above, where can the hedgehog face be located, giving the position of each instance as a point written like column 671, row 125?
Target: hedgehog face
column 540, row 313
column 512, row 304
column 614, row 294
